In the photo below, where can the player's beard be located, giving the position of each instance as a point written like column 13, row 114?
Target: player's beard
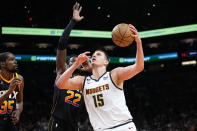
column 13, row 70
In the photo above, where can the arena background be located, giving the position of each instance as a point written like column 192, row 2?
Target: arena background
column 161, row 98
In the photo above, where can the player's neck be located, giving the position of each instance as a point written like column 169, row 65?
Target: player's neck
column 98, row 72
column 7, row 75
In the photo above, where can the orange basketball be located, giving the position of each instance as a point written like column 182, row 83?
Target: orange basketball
column 121, row 35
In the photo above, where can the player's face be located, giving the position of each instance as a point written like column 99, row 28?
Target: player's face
column 11, row 63
column 99, row 58
column 72, row 61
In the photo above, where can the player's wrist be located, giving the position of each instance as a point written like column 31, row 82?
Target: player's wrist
column 77, row 63
column 11, row 89
column 73, row 20
column 138, row 40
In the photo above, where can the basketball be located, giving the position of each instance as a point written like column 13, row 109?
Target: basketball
column 121, row 35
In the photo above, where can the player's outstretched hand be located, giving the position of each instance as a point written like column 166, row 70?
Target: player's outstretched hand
column 135, row 35
column 76, row 12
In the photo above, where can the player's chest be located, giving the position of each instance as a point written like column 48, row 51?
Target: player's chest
column 4, row 88
column 95, row 87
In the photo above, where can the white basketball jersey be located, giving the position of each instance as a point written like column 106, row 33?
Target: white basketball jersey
column 105, row 102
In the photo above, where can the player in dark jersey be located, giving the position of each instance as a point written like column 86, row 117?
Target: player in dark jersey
column 67, row 104
column 11, row 93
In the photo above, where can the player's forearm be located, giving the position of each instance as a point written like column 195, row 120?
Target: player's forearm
column 62, row 81
column 19, row 106
column 62, row 45
column 65, row 35
column 139, row 56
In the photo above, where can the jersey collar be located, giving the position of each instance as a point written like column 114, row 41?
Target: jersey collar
column 8, row 81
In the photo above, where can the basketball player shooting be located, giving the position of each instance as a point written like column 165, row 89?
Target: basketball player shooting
column 103, row 91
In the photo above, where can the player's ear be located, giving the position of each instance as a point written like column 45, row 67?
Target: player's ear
column 106, row 62
column 2, row 64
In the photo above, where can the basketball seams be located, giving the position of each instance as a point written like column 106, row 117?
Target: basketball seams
column 118, row 42
column 121, row 43
column 122, row 40
column 121, row 36
column 125, row 31
column 116, row 35
column 127, row 36
column 120, row 32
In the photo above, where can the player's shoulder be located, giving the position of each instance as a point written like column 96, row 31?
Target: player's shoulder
column 114, row 74
column 20, row 76
column 80, row 77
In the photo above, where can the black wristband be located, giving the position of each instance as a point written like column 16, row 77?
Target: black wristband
column 65, row 35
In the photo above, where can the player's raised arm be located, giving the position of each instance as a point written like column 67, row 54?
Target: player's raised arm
column 125, row 73
column 62, row 45
column 76, row 83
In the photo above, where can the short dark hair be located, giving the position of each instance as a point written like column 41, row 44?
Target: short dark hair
column 71, row 56
column 4, row 56
column 106, row 55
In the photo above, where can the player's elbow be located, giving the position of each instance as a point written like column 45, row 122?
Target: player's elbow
column 59, row 84
column 140, row 68
column 62, row 84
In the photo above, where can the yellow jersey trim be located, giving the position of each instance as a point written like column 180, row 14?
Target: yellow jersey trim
column 8, row 81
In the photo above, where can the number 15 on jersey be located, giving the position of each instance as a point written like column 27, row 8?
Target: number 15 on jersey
column 98, row 100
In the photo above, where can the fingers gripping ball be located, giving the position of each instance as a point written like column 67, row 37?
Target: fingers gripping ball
column 121, row 35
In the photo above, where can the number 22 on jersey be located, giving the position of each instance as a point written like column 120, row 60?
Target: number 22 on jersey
column 73, row 98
